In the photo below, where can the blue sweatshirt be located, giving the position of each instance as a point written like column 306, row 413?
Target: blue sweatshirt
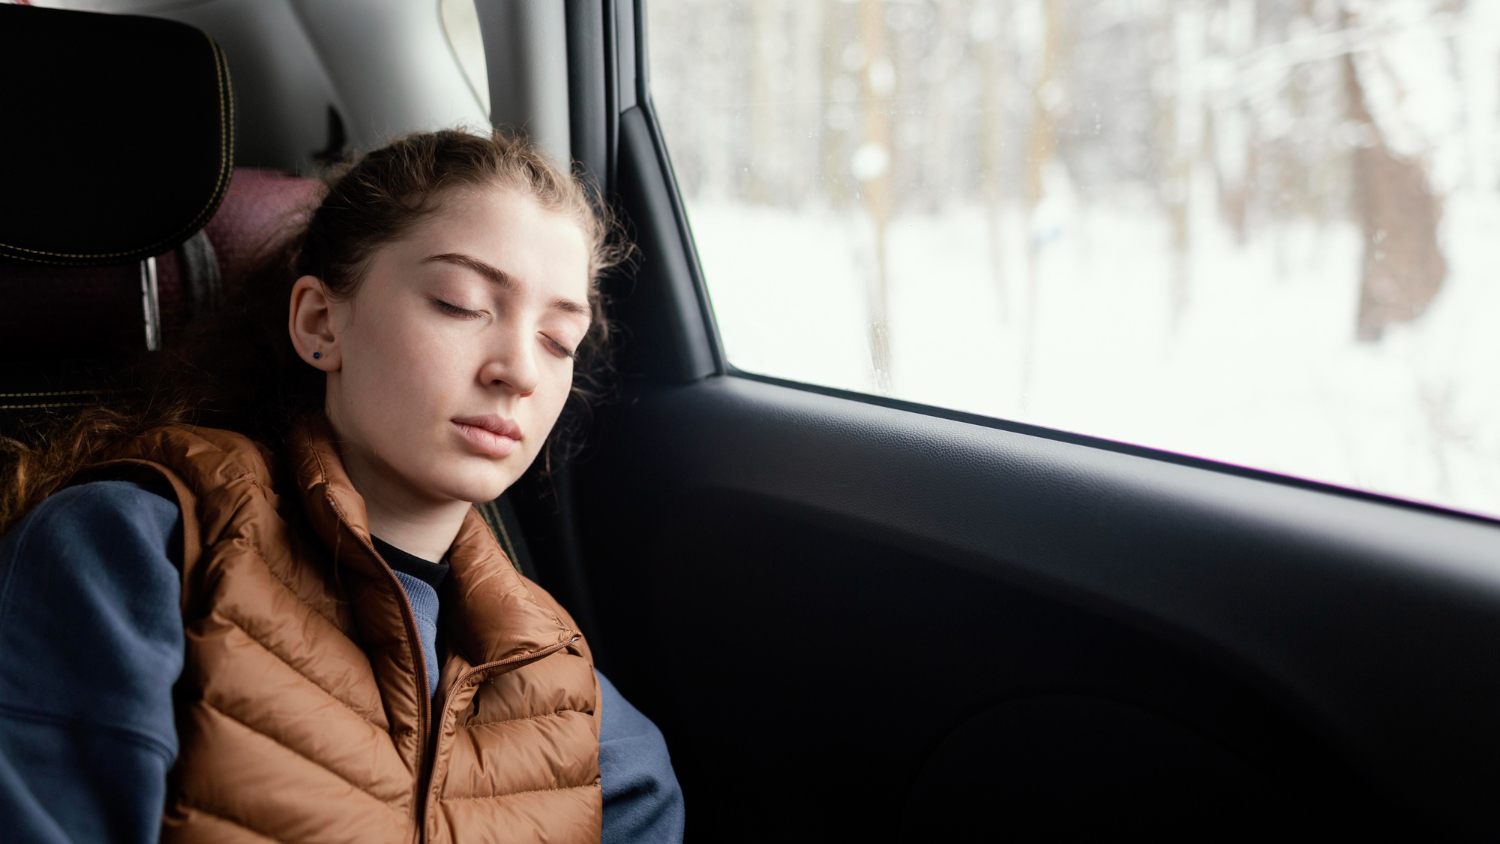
column 91, row 643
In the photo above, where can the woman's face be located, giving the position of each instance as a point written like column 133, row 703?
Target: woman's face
column 450, row 364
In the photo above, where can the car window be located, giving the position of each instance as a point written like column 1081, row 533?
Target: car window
column 1258, row 232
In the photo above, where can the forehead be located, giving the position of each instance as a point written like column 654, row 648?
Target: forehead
column 541, row 249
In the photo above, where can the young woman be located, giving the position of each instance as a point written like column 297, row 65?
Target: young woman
column 261, row 606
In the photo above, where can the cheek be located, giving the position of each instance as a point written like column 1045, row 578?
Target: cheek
column 552, row 393
column 398, row 373
column 561, row 386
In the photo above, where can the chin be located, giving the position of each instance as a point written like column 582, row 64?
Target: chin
column 474, row 484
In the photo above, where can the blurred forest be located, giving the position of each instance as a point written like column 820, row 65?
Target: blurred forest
column 1364, row 110
column 1261, row 231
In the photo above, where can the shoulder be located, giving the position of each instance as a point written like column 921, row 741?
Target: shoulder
column 98, row 508
column 545, row 598
column 89, row 594
column 203, row 457
column 105, row 540
column 642, row 799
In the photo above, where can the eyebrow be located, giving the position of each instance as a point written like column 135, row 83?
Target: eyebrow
column 504, row 280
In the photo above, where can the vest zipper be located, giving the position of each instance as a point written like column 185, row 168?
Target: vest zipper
column 424, row 703
column 446, row 697
column 426, row 763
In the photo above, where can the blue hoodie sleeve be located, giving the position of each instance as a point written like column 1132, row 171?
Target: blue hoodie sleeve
column 91, row 644
column 642, row 800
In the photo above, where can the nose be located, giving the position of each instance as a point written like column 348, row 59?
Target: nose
column 511, row 363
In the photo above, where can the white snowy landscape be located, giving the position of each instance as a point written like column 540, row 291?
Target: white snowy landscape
column 1262, row 233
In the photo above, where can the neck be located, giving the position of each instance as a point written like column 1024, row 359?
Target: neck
column 416, row 525
column 427, row 534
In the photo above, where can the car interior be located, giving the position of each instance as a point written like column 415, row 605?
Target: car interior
column 852, row 617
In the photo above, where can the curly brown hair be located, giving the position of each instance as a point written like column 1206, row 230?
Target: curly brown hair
column 238, row 370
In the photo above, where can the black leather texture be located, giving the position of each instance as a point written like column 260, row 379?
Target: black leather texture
column 118, row 139
column 854, row 585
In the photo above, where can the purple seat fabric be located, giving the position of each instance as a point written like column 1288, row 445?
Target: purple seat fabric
column 48, row 312
column 261, row 208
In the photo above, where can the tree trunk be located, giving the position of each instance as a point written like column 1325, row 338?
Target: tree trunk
column 809, row 32
column 764, row 64
column 1403, row 265
column 1041, row 146
column 876, row 187
column 835, row 138
column 991, row 155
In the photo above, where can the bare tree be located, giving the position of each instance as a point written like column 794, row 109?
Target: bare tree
column 837, row 118
column 807, row 36
column 872, row 167
column 1181, row 118
column 765, row 49
column 1403, row 265
column 1229, row 129
column 988, row 49
column 1041, row 147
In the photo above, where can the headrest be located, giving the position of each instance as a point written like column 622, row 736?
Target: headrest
column 71, row 312
column 119, row 138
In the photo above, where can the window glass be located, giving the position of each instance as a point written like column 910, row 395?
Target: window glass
column 1260, row 231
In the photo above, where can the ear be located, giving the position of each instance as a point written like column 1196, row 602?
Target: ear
column 310, row 321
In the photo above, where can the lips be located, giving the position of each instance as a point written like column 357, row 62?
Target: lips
column 490, row 435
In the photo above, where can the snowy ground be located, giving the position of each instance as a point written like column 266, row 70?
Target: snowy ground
column 1262, row 368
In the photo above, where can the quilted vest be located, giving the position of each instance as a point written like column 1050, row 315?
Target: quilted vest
column 303, row 714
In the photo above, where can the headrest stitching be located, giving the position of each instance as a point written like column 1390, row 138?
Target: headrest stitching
column 56, row 393
column 35, row 406
column 226, row 150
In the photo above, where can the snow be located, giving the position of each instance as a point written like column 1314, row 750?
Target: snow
column 1261, row 369
column 1133, row 219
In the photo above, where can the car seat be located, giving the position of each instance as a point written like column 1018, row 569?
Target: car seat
column 117, row 148
column 122, row 217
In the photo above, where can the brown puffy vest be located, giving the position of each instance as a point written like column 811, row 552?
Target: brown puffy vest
column 303, row 715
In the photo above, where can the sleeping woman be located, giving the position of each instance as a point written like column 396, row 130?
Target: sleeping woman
column 259, row 605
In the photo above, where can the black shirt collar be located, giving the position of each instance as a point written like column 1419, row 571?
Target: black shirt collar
column 426, row 571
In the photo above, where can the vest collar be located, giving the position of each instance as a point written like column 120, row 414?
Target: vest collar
column 488, row 610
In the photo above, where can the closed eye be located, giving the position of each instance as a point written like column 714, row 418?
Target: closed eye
column 564, row 350
column 453, row 310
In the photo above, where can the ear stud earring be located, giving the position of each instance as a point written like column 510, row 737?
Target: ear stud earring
column 317, row 355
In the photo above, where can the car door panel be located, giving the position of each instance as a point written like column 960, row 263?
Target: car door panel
column 856, row 618
column 1312, row 631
